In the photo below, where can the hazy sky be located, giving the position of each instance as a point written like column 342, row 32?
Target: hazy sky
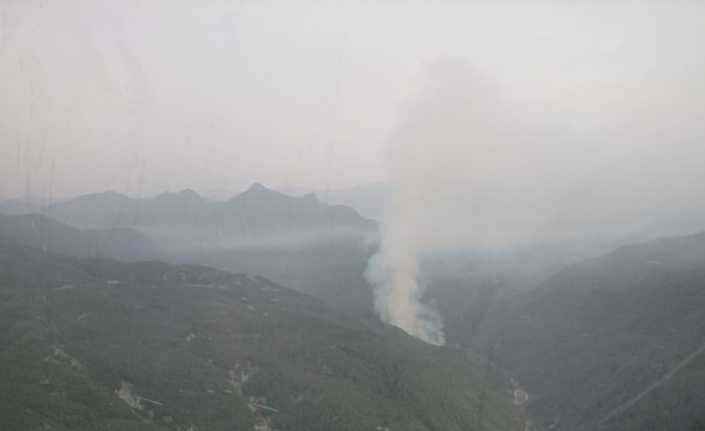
column 146, row 96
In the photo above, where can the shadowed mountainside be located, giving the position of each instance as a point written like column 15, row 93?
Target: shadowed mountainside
column 42, row 232
column 613, row 343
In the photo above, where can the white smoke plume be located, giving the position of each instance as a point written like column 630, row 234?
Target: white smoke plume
column 417, row 156
column 394, row 272
column 470, row 167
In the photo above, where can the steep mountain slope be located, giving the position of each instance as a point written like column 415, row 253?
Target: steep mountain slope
column 330, row 269
column 467, row 285
column 102, row 345
column 96, row 210
column 38, row 231
column 614, row 343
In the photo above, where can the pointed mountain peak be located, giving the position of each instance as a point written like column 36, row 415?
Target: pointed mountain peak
column 259, row 190
column 190, row 195
column 189, row 192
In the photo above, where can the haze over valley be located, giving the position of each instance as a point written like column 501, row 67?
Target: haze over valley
column 384, row 216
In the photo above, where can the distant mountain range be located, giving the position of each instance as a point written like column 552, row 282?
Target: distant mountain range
column 298, row 241
column 257, row 210
column 98, row 345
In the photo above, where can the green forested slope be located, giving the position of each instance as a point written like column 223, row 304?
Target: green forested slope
column 101, row 345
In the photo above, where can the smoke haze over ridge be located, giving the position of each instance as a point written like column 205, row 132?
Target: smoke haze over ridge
column 470, row 169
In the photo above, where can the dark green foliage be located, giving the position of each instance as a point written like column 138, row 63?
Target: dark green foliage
column 218, row 351
column 612, row 343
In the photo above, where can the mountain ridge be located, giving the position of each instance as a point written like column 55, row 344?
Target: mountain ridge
column 277, row 211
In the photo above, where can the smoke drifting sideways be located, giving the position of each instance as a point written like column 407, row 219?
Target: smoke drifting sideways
column 471, row 168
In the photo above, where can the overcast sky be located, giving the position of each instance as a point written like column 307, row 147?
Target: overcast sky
column 147, row 96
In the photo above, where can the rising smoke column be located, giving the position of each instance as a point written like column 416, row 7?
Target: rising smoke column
column 470, row 168
column 394, row 273
column 423, row 159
